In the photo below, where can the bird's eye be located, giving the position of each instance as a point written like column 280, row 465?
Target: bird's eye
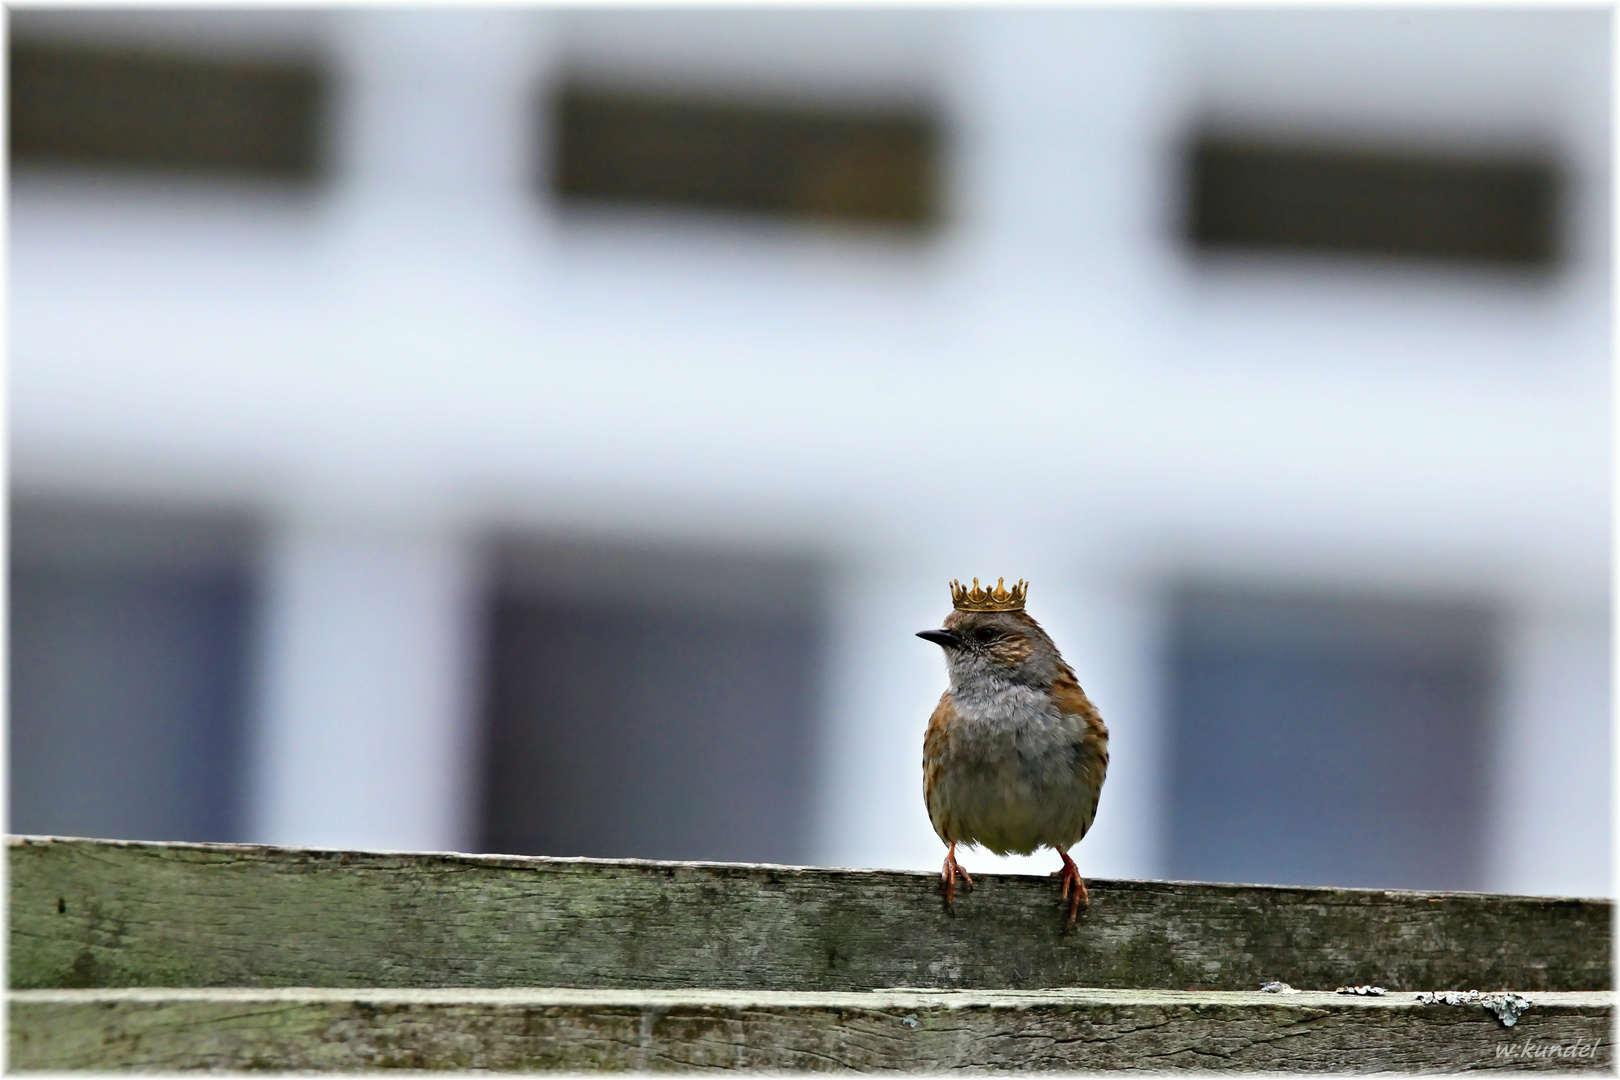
column 984, row 635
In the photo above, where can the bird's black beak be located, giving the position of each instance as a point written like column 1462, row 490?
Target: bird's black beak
column 945, row 638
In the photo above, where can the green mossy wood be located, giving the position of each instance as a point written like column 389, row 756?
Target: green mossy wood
column 109, row 914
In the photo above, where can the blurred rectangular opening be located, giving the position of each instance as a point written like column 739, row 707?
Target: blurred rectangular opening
column 651, row 703
column 111, row 106
column 1320, row 740
column 639, row 148
column 129, row 670
column 1316, row 198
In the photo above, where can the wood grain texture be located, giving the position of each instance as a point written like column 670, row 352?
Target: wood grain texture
column 110, row 914
column 515, row 1030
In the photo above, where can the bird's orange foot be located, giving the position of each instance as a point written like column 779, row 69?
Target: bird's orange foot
column 1072, row 882
column 950, row 873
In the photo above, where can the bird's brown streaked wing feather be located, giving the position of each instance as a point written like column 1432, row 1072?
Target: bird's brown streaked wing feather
column 934, row 744
column 1092, row 761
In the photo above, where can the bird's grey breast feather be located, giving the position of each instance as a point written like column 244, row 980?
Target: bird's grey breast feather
column 1018, row 785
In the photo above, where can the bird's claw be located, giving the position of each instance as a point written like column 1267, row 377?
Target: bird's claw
column 1072, row 882
column 950, row 872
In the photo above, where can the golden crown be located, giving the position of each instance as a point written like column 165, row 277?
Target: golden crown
column 999, row 598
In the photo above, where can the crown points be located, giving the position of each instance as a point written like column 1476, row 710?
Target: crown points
column 999, row 598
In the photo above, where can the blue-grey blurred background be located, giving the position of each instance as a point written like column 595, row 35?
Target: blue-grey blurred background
column 544, row 431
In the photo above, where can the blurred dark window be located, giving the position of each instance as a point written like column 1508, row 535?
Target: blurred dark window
column 106, row 106
column 1324, row 741
column 796, row 162
column 1250, row 195
column 129, row 661
column 651, row 704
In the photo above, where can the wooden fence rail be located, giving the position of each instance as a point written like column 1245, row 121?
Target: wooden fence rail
column 163, row 956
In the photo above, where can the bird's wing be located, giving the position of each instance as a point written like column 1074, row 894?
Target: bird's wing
column 1091, row 757
column 934, row 744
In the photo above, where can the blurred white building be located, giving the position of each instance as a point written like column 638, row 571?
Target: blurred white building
column 424, row 377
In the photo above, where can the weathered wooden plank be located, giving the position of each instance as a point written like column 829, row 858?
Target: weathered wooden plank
column 107, row 914
column 516, row 1030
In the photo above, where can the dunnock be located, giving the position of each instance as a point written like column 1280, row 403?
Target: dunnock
column 1015, row 753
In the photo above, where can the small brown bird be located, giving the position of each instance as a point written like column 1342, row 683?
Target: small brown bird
column 1015, row 753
